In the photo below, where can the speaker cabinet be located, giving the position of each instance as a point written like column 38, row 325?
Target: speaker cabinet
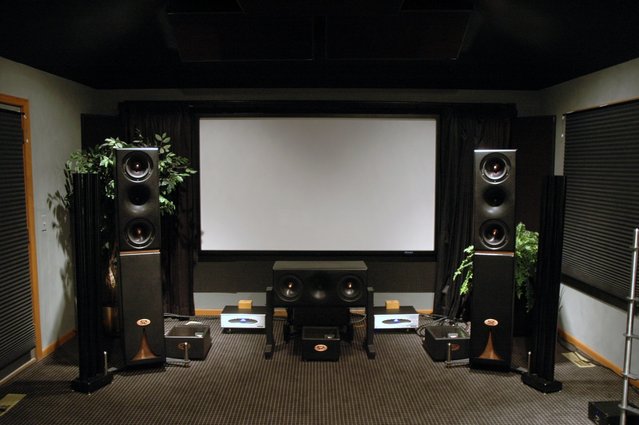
column 138, row 198
column 319, row 283
column 494, row 200
column 492, row 311
column 138, row 218
column 141, row 309
column 494, row 260
column 319, row 288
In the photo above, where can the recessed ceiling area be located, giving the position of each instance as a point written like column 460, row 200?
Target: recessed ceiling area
column 421, row 44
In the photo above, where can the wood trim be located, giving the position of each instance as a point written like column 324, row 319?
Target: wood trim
column 60, row 342
column 23, row 104
column 593, row 354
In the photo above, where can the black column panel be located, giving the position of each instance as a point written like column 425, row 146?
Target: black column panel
column 89, row 273
column 494, row 200
column 138, row 218
column 138, row 198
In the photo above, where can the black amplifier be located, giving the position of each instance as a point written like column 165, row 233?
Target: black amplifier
column 437, row 338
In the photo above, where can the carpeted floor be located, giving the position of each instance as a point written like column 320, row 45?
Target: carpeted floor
column 236, row 385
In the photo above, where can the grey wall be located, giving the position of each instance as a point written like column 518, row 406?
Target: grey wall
column 56, row 105
column 596, row 324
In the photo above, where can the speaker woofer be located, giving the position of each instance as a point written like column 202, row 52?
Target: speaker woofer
column 140, row 233
column 495, row 168
column 494, row 234
column 350, row 288
column 137, row 166
column 289, row 288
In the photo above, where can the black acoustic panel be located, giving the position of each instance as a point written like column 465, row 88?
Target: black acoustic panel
column 492, row 311
column 89, row 273
column 138, row 198
column 548, row 281
column 141, row 308
column 319, row 283
column 494, row 200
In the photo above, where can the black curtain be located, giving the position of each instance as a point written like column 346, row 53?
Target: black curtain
column 463, row 129
column 178, row 233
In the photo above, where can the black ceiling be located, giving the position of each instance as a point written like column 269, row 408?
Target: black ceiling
column 445, row 44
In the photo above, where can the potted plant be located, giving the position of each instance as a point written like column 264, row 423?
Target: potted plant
column 526, row 248
column 173, row 169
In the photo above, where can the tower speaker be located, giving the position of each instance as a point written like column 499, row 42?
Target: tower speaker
column 494, row 260
column 319, row 283
column 138, row 218
column 494, row 200
column 138, row 198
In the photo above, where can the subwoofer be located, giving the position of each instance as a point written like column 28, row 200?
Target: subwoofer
column 492, row 311
column 492, row 300
column 140, row 283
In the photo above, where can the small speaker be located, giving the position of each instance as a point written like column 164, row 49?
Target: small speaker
column 492, row 311
column 319, row 283
column 141, row 308
column 138, row 198
column 494, row 200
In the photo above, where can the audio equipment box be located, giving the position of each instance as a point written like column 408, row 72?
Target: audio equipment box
column 609, row 412
column 438, row 337
column 235, row 318
column 320, row 343
column 404, row 317
column 189, row 341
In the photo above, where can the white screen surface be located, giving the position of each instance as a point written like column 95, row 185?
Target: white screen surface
column 317, row 184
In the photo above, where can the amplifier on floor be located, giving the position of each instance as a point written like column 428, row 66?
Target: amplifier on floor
column 437, row 338
column 404, row 317
column 609, row 412
column 190, row 341
column 235, row 318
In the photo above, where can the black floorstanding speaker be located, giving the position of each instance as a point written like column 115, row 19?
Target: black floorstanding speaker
column 138, row 219
column 494, row 260
column 541, row 375
column 89, row 273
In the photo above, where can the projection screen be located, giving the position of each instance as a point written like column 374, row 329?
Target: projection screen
column 318, row 184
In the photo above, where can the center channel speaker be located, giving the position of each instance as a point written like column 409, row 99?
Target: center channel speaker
column 319, row 283
column 138, row 227
column 492, row 297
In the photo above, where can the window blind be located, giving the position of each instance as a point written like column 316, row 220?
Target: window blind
column 601, row 166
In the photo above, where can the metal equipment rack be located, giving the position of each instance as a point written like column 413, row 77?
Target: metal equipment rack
column 630, row 335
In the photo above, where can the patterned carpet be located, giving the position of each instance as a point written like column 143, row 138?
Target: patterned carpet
column 236, row 385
